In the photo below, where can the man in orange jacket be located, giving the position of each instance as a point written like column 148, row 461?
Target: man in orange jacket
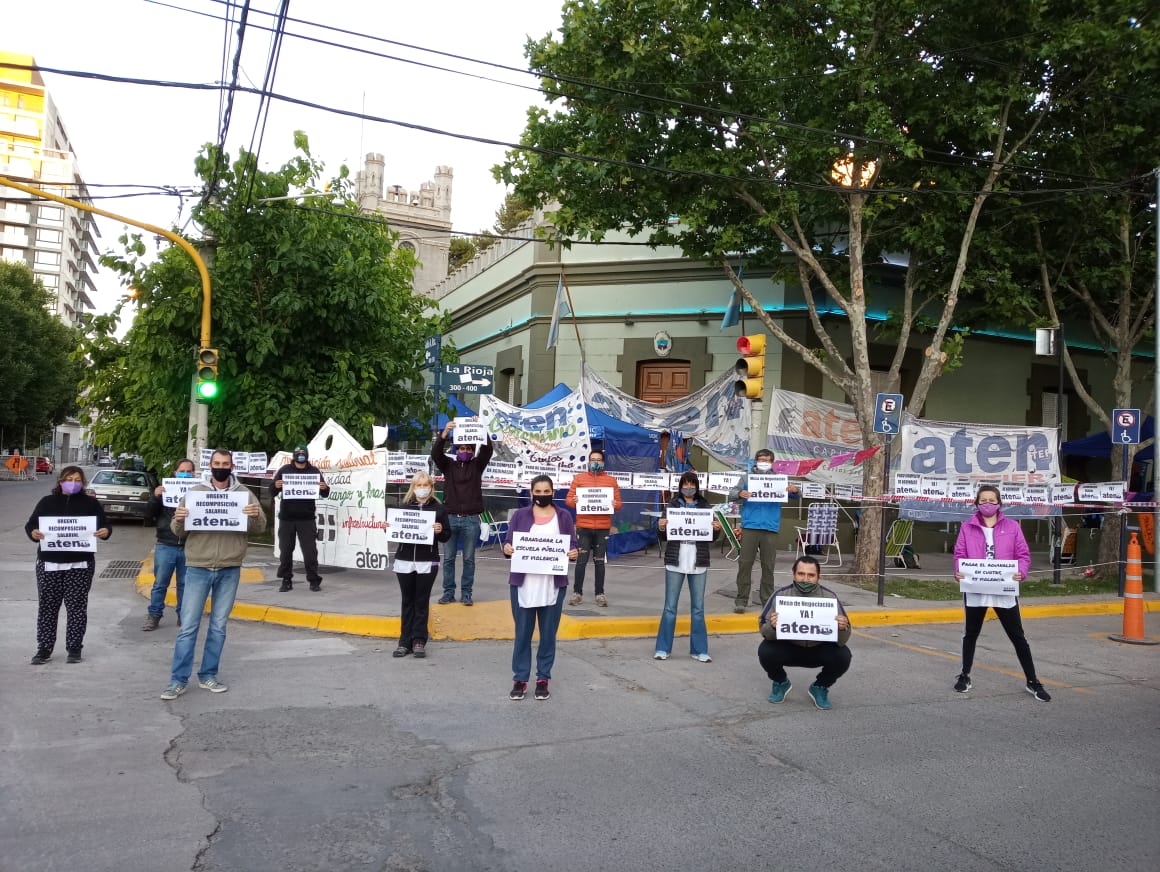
column 592, row 528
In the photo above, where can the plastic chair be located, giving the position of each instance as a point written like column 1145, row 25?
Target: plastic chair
column 820, row 531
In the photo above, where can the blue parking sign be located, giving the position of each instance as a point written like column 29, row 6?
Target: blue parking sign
column 888, row 413
column 1126, row 426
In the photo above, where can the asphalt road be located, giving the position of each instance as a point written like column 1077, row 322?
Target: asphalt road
column 328, row 754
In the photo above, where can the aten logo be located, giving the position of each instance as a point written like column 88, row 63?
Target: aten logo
column 961, row 454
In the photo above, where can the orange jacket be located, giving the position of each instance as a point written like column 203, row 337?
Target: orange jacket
column 587, row 479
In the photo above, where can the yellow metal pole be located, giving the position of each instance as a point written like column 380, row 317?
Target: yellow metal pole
column 206, row 294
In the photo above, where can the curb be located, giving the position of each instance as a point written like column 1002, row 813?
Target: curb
column 491, row 620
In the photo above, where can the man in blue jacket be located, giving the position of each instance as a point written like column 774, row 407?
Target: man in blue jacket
column 760, row 523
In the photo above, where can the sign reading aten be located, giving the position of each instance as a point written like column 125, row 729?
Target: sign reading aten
column 768, row 488
column 410, row 525
column 989, row 576
column 175, row 489
column 813, row 618
column 300, row 485
column 214, row 511
column 68, row 533
column 593, row 501
column 540, row 554
column 695, row 525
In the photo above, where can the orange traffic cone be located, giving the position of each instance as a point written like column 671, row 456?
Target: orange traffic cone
column 1134, row 599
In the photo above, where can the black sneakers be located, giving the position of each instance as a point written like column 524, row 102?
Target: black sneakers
column 962, row 683
column 286, row 585
column 1037, row 690
column 41, row 656
column 542, row 691
column 74, row 656
column 519, row 690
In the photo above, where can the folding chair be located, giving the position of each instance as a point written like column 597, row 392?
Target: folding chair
column 820, row 531
column 496, row 530
column 730, row 537
column 898, row 537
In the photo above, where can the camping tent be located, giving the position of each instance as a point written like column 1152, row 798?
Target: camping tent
column 1100, row 444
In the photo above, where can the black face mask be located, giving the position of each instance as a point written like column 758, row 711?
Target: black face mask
column 221, row 474
column 542, row 500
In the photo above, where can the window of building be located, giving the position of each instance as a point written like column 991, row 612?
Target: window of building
column 50, row 215
column 12, row 255
column 49, row 280
column 47, row 258
column 48, row 236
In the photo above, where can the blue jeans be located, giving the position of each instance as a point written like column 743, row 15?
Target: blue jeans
column 549, row 620
column 465, row 532
column 167, row 559
column 699, row 636
column 200, row 584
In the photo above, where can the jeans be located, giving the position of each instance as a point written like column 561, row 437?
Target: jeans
column 305, row 530
column 549, row 620
column 834, row 659
column 167, row 560
column 465, row 533
column 594, row 544
column 751, row 542
column 200, row 584
column 698, row 635
column 415, row 588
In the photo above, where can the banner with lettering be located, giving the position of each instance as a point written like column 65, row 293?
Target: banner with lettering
column 802, row 427
column 556, row 434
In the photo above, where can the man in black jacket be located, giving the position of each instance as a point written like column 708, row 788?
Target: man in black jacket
column 463, row 499
column 168, row 552
column 296, row 519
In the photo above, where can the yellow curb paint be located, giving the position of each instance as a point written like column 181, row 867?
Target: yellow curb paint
column 359, row 625
column 287, row 617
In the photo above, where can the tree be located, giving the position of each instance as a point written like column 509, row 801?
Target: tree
column 313, row 316
column 811, row 137
column 38, row 385
column 462, row 250
column 514, row 212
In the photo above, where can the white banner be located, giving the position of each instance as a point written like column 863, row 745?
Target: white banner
column 410, row 525
column 500, row 474
column 540, row 553
column 300, row 486
column 989, row 576
column 68, row 534
column 693, row 525
column 714, row 416
column 175, row 489
column 216, row 511
column 593, row 501
column 1013, row 454
column 555, row 434
column 802, row 427
column 814, row 618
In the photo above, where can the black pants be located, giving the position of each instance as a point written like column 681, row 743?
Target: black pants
column 70, row 586
column 305, row 530
column 834, row 659
column 416, row 590
column 594, row 544
column 1012, row 624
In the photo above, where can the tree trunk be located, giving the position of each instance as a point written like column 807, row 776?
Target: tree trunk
column 870, row 527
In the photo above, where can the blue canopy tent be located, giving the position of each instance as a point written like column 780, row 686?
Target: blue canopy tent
column 627, row 448
column 1100, row 444
column 460, row 410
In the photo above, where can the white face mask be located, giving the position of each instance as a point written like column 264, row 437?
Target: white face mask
column 763, row 466
column 422, row 492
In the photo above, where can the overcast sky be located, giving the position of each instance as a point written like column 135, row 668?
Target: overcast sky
column 148, row 135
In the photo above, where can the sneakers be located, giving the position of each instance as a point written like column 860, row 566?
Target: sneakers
column 42, row 656
column 286, row 585
column 963, row 683
column 212, row 685
column 575, row 599
column 702, row 658
column 739, row 610
column 445, row 599
column 467, row 600
column 542, row 691
column 661, row 655
column 151, row 623
column 74, row 656
column 316, row 585
column 519, row 690
column 821, row 696
column 401, row 651
column 1037, row 690
column 601, row 600
column 780, row 689
column 174, row 690
column 419, row 649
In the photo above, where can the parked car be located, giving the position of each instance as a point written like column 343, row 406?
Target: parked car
column 124, row 493
column 107, row 460
column 43, row 466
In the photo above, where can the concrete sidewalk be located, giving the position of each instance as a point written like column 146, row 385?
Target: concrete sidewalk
column 366, row 603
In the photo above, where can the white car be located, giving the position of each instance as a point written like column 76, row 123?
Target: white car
column 123, row 492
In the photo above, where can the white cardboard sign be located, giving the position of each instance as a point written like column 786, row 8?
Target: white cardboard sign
column 68, row 533
column 691, row 525
column 593, row 501
column 175, row 489
column 300, row 485
column 410, row 525
column 469, row 432
column 813, row 618
column 989, row 576
column 768, row 488
column 216, row 511
column 540, row 553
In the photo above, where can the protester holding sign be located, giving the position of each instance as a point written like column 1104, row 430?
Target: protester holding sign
column 686, row 557
column 760, row 523
column 169, row 550
column 65, row 574
column 416, row 564
column 297, row 517
column 989, row 535
column 463, row 497
column 799, row 637
column 537, row 597
column 215, row 547
column 593, row 521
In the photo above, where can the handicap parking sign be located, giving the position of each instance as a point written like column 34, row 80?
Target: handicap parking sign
column 887, row 413
column 1126, row 426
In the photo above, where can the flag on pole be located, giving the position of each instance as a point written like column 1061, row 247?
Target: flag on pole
column 559, row 310
column 732, row 312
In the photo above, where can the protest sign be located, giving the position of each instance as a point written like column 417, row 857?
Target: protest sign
column 410, row 525
column 593, row 501
column 813, row 618
column 216, row 511
column 300, row 486
column 693, row 525
column 469, row 432
column 174, row 490
column 989, row 576
column 68, row 533
column 768, row 488
column 540, row 553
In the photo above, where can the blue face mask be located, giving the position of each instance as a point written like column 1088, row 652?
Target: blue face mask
column 184, row 474
column 595, row 467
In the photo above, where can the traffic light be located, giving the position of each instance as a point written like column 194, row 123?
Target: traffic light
column 207, row 375
column 751, row 367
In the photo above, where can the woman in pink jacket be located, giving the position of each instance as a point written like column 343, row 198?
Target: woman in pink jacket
column 989, row 535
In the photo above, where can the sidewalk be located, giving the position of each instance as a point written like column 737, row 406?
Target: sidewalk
column 366, row 603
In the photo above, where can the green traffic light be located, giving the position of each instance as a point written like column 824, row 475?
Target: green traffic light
column 207, row 390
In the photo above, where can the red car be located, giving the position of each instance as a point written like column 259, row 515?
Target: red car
column 43, row 466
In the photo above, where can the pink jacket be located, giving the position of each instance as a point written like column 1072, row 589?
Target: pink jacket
column 1010, row 543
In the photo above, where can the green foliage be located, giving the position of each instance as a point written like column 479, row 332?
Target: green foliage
column 514, row 212
column 461, row 251
column 313, row 317
column 38, row 378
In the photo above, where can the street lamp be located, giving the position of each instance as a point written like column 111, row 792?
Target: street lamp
column 1048, row 343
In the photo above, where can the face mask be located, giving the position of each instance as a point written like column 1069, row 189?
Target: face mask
column 464, row 456
column 763, row 466
column 596, row 467
column 299, row 458
column 688, row 492
column 422, row 492
column 184, row 474
column 988, row 510
column 71, row 487
column 220, row 474
column 542, row 500
column 806, row 587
